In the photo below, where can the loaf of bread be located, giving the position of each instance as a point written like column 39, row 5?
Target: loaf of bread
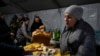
column 39, row 36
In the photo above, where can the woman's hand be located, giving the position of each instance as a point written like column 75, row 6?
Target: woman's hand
column 12, row 35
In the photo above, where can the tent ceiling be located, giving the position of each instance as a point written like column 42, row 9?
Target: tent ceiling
column 23, row 6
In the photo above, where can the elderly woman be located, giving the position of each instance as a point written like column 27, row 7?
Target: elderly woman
column 78, row 36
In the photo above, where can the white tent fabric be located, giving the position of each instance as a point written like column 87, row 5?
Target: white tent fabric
column 53, row 19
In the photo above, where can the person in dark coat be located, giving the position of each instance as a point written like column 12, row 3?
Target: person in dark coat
column 36, row 23
column 78, row 37
column 5, row 33
column 7, row 47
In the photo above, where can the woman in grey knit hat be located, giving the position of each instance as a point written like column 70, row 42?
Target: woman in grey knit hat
column 78, row 37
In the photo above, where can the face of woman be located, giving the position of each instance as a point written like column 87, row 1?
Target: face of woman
column 27, row 22
column 37, row 20
column 69, row 20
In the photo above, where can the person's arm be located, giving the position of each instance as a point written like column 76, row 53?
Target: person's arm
column 88, row 48
column 23, row 28
column 12, row 50
column 7, row 49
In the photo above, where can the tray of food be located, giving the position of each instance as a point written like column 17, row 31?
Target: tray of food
column 42, row 50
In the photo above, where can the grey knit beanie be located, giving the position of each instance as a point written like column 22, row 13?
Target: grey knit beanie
column 75, row 10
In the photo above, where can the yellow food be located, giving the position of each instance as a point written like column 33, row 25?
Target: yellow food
column 31, row 46
column 40, row 49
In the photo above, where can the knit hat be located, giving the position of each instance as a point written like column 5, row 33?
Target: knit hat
column 75, row 10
